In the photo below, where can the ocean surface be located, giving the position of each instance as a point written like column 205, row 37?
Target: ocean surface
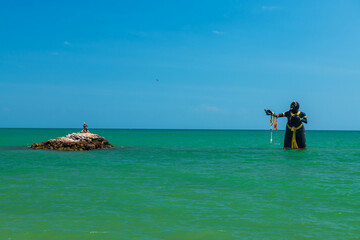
column 181, row 184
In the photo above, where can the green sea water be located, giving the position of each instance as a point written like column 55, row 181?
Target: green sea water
column 181, row 184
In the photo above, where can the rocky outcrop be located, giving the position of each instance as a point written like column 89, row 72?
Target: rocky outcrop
column 75, row 142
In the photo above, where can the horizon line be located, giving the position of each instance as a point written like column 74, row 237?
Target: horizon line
column 185, row 129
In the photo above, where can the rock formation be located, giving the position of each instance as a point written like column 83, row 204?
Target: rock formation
column 81, row 141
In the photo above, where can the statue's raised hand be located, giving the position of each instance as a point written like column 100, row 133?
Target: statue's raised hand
column 268, row 112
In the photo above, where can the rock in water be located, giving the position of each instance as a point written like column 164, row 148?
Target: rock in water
column 75, row 142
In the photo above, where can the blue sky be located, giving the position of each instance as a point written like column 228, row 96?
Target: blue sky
column 178, row 64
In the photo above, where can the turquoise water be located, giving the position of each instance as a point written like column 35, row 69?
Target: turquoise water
column 181, row 184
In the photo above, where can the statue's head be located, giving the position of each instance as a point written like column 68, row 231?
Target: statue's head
column 294, row 107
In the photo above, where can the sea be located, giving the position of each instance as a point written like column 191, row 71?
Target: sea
column 181, row 184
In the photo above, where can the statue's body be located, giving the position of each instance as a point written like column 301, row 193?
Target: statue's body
column 295, row 131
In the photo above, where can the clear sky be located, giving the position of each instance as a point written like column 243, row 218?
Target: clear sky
column 178, row 64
